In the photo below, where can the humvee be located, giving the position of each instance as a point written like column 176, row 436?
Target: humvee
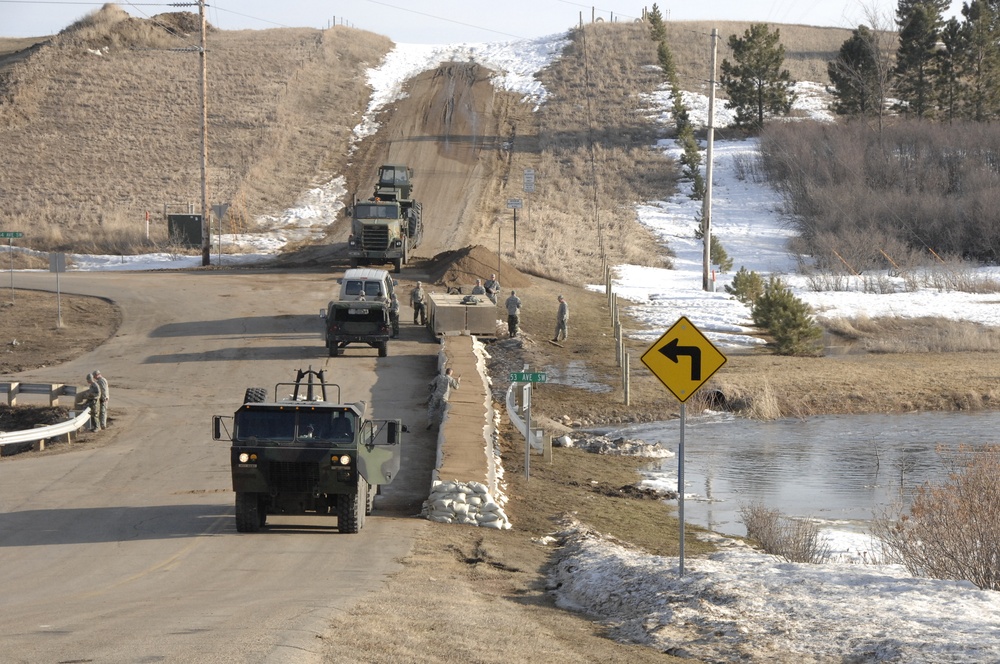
column 305, row 454
column 357, row 321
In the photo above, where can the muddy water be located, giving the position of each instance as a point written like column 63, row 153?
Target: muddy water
column 841, row 469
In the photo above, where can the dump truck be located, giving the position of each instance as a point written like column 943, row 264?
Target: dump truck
column 306, row 454
column 388, row 226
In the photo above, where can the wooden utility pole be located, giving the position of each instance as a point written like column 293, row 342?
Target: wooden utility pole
column 206, row 241
column 706, row 210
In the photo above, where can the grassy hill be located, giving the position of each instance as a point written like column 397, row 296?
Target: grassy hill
column 101, row 123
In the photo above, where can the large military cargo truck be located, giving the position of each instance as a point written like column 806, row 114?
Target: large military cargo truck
column 388, row 226
column 305, row 454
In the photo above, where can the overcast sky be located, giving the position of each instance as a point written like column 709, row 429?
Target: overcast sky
column 445, row 21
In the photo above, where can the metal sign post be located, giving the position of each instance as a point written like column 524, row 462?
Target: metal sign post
column 516, row 204
column 663, row 358
column 57, row 264
column 10, row 235
column 529, row 378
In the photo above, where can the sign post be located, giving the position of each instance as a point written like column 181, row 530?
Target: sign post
column 528, row 377
column 10, row 235
column 515, row 203
column 57, row 264
column 683, row 359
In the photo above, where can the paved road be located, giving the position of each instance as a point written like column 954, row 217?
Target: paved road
column 125, row 550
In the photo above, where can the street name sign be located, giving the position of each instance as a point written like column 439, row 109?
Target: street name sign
column 528, row 377
column 10, row 234
column 683, row 359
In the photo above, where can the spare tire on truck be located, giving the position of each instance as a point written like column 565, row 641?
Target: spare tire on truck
column 255, row 395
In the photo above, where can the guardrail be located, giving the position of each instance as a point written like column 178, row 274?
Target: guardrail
column 39, row 435
column 51, row 390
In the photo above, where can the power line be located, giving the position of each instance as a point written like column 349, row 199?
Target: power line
column 449, row 20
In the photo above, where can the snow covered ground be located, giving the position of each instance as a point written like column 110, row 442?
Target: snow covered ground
column 737, row 605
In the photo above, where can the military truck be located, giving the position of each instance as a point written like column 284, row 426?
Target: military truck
column 388, row 226
column 357, row 322
column 305, row 454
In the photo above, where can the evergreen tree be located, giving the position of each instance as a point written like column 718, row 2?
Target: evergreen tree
column 855, row 76
column 657, row 29
column 787, row 319
column 917, row 58
column 756, row 84
column 973, row 50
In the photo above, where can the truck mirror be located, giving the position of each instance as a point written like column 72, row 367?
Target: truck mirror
column 392, row 433
column 348, row 211
column 216, row 427
column 322, row 313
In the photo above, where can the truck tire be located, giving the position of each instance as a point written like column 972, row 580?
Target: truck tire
column 354, row 262
column 255, row 395
column 351, row 508
column 248, row 517
column 383, row 349
column 397, row 265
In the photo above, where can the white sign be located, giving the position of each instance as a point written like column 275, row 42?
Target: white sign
column 514, row 203
column 529, row 180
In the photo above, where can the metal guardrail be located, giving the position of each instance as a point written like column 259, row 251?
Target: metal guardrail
column 44, row 433
column 50, row 390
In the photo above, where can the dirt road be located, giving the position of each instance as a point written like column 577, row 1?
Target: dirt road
column 127, row 550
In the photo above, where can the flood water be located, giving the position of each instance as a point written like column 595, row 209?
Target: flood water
column 841, row 469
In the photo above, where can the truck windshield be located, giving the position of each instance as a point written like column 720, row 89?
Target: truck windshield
column 286, row 425
column 375, row 211
column 391, row 176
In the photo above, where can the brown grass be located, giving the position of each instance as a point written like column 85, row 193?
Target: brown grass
column 93, row 142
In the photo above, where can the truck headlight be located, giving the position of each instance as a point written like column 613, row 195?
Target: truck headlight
column 244, row 457
column 342, row 460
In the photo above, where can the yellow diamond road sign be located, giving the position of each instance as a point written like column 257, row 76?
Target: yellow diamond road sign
column 683, row 359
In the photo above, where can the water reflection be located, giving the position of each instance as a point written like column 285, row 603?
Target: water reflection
column 836, row 468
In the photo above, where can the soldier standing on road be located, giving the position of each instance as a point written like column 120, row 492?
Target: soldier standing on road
column 441, row 388
column 394, row 315
column 419, row 304
column 492, row 287
column 92, row 399
column 513, row 305
column 562, row 318
column 478, row 288
column 102, row 383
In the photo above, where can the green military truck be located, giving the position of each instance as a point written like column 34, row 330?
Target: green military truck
column 305, row 454
column 388, row 226
column 357, row 322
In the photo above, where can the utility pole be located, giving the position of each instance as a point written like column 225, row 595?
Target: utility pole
column 206, row 241
column 706, row 210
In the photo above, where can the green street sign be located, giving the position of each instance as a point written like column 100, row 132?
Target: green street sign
column 10, row 234
column 526, row 377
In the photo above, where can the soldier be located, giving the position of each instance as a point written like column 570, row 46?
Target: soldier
column 394, row 315
column 102, row 383
column 92, row 399
column 441, row 388
column 478, row 288
column 562, row 318
column 513, row 305
column 492, row 287
column 419, row 304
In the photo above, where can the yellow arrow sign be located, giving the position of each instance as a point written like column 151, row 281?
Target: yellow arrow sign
column 683, row 359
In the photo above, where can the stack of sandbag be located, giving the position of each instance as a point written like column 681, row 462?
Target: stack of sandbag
column 469, row 503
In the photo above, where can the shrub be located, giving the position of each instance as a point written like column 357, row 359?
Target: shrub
column 794, row 540
column 952, row 531
column 747, row 286
column 787, row 319
column 719, row 255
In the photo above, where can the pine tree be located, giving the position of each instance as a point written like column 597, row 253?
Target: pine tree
column 657, row 29
column 975, row 48
column 747, row 286
column 855, row 76
column 787, row 319
column 756, row 84
column 917, row 58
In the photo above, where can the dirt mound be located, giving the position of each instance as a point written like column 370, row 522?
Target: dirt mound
column 461, row 267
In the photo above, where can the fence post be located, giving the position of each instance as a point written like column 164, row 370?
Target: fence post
column 626, row 380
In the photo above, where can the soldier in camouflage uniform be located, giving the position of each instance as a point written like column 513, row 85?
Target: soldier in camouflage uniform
column 441, row 388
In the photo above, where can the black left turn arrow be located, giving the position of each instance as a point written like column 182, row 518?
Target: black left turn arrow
column 672, row 351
